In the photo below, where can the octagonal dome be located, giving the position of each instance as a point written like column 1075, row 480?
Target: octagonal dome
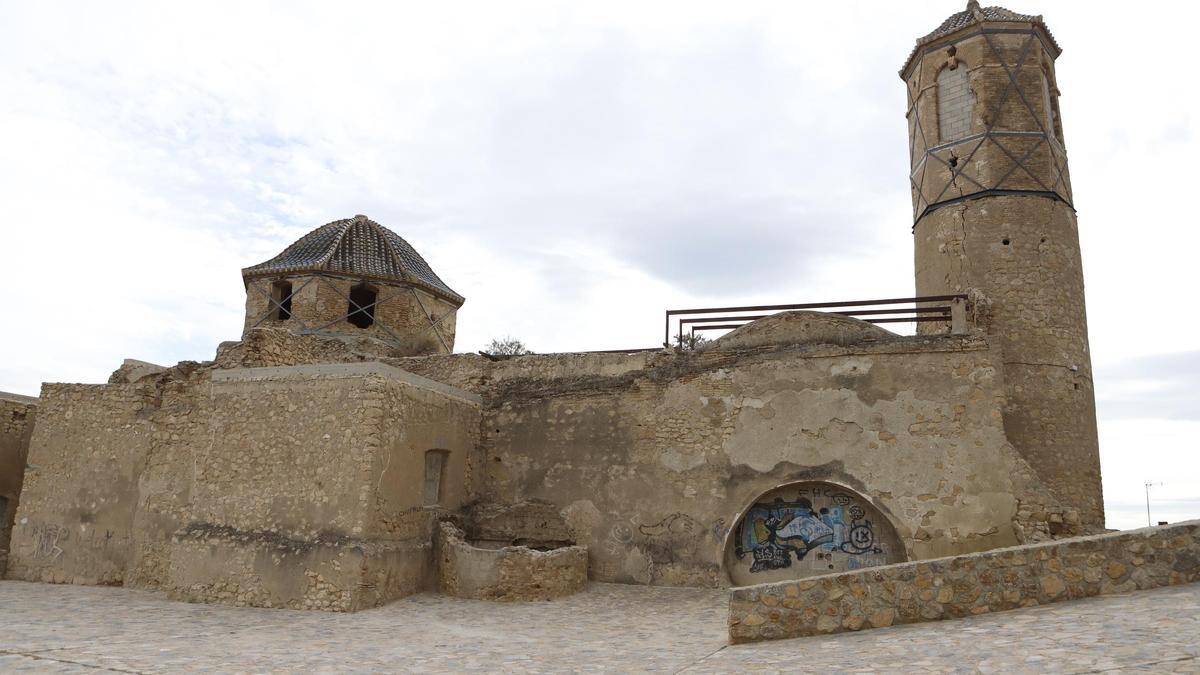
column 358, row 247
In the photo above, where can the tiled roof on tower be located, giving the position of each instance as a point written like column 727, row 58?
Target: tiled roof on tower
column 972, row 14
column 358, row 247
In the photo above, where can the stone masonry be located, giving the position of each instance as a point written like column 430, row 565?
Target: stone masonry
column 467, row 570
column 17, row 415
column 994, row 218
column 967, row 585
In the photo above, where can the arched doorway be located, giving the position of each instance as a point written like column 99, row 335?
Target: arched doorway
column 806, row 529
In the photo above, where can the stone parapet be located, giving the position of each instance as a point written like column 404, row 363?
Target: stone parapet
column 508, row 573
column 978, row 583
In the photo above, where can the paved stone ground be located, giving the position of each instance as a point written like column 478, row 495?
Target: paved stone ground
column 613, row 628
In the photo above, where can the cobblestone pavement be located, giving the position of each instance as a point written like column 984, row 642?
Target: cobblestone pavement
column 613, row 628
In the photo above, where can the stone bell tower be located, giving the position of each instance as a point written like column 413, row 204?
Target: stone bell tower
column 993, row 217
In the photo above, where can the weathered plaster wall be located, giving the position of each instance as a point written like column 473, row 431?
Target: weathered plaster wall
column 972, row 584
column 321, row 302
column 415, row 421
column 80, row 493
column 17, row 415
column 672, row 452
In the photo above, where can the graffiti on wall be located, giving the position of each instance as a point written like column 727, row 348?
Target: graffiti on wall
column 47, row 537
column 821, row 524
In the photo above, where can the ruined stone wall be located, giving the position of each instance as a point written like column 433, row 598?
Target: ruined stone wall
column 181, row 419
column 74, row 523
column 477, row 373
column 652, row 466
column 273, row 347
column 321, row 302
column 310, row 494
column 280, row 487
column 968, row 585
column 17, row 416
column 508, row 573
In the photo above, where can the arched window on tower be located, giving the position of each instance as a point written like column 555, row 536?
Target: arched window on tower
column 361, row 311
column 281, row 300
column 955, row 102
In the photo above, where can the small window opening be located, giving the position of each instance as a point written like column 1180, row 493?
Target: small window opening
column 281, row 294
column 362, row 306
column 1006, row 242
column 435, row 468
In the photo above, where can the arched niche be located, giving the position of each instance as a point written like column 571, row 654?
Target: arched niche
column 809, row 528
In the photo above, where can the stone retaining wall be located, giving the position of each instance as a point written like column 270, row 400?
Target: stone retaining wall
column 508, row 573
column 946, row 588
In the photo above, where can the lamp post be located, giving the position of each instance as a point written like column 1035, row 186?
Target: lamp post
column 1149, row 523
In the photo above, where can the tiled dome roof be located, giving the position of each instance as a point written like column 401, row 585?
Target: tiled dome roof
column 970, row 15
column 356, row 246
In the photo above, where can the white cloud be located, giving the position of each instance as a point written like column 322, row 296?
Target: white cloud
column 572, row 168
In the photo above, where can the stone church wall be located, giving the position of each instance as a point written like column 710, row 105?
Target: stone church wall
column 652, row 464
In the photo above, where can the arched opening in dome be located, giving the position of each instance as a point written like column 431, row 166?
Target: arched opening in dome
column 281, row 300
column 361, row 311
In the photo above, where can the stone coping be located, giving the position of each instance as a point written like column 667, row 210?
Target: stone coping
column 19, row 398
column 966, row 585
column 343, row 370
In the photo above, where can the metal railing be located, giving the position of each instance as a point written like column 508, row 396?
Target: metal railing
column 950, row 309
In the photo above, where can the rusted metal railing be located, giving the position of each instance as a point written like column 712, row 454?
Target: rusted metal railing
column 950, row 309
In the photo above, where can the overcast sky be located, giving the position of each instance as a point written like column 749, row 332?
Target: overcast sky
column 572, row 168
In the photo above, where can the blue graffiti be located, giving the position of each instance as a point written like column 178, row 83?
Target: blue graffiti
column 774, row 533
